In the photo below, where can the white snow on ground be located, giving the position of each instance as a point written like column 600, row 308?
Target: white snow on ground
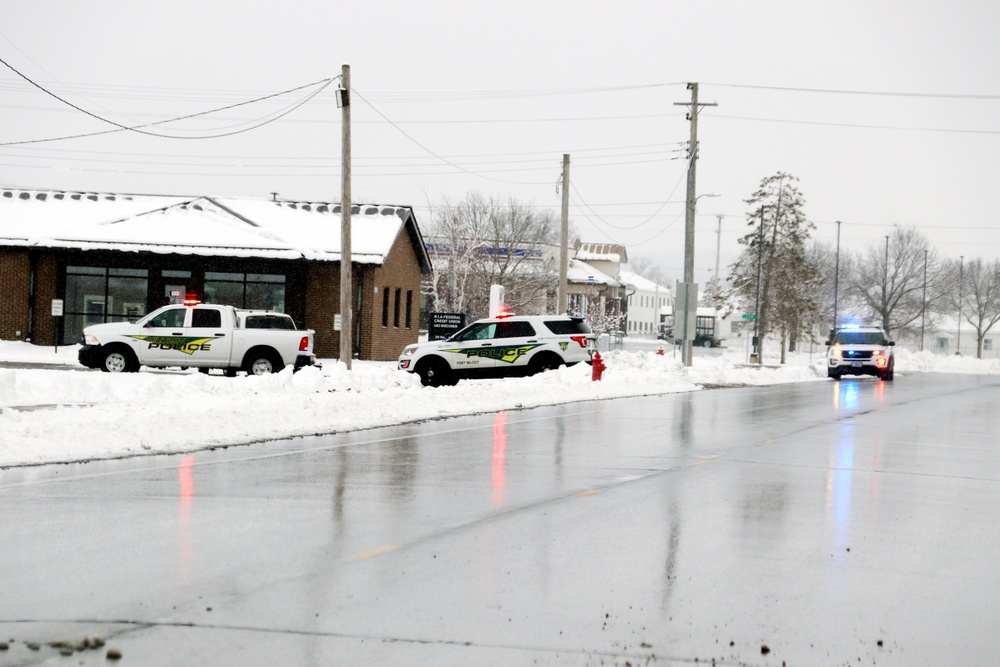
column 63, row 416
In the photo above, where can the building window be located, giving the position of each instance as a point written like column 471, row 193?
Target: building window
column 385, row 307
column 246, row 290
column 987, row 344
column 395, row 308
column 409, row 307
column 95, row 295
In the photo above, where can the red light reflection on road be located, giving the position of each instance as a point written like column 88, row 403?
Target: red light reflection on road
column 499, row 465
column 185, row 478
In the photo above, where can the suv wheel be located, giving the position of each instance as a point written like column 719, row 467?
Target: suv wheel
column 833, row 374
column 435, row 373
column 544, row 362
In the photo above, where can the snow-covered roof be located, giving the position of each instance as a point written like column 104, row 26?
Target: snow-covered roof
column 581, row 272
column 606, row 252
column 215, row 226
column 640, row 283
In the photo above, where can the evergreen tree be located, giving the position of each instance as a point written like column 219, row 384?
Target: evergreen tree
column 774, row 276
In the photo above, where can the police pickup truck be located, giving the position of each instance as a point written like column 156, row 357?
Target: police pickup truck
column 201, row 336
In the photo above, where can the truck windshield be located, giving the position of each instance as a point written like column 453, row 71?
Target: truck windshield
column 171, row 317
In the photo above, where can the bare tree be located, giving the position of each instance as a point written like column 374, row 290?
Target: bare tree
column 604, row 315
column 978, row 296
column 887, row 282
column 479, row 242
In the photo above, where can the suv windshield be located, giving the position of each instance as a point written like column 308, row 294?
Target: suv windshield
column 860, row 338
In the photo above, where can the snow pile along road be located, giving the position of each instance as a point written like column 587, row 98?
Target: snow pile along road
column 60, row 415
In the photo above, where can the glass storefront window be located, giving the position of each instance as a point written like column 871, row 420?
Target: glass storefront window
column 95, row 295
column 246, row 290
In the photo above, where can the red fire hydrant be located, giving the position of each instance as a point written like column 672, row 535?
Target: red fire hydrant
column 597, row 367
column 660, row 351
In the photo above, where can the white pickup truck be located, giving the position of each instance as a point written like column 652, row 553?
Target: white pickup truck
column 201, row 336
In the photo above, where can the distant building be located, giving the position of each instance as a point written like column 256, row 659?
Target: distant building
column 647, row 300
column 115, row 257
column 593, row 280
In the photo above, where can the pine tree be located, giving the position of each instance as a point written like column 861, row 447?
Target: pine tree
column 774, row 263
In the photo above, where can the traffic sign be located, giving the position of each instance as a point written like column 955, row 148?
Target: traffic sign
column 747, row 316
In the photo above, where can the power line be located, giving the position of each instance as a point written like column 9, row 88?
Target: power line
column 858, row 92
column 855, row 125
column 655, row 213
column 138, row 128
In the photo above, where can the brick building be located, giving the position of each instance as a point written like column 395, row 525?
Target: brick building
column 116, row 257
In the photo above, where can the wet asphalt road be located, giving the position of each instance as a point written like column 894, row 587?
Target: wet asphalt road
column 842, row 523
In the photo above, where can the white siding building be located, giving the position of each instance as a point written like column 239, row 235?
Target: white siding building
column 646, row 300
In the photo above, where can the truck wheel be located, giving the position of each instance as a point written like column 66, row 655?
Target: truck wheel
column 707, row 343
column 434, row 373
column 544, row 362
column 262, row 362
column 119, row 360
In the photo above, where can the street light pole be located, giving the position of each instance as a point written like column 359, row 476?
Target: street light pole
column 923, row 306
column 836, row 278
column 718, row 252
column 961, row 284
column 885, row 287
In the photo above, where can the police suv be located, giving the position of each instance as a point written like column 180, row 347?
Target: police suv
column 502, row 346
column 860, row 350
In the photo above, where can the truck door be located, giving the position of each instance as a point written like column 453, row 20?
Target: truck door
column 160, row 335
column 210, row 337
column 184, row 336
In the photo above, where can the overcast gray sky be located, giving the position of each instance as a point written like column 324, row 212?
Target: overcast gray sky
column 887, row 111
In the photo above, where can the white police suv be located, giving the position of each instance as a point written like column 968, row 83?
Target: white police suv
column 860, row 350
column 502, row 346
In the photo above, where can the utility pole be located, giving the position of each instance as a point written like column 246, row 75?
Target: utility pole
column 690, row 288
column 836, row 279
column 346, row 329
column 564, row 239
column 756, row 308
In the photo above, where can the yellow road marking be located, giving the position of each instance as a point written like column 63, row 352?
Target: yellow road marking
column 377, row 551
column 588, row 493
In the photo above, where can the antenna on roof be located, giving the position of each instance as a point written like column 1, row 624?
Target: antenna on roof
column 274, row 196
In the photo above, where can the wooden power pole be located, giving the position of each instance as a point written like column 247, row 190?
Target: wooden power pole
column 346, row 328
column 691, row 290
column 564, row 240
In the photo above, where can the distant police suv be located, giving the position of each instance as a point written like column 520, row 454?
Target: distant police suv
column 858, row 350
column 501, row 347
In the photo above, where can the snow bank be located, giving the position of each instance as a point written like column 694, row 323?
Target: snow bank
column 61, row 415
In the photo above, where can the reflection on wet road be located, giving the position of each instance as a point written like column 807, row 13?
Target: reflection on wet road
column 832, row 522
